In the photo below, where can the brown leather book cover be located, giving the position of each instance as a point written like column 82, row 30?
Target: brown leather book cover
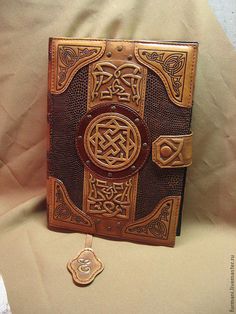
column 119, row 115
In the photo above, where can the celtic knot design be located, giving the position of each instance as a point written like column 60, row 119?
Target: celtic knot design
column 68, row 57
column 111, row 199
column 172, row 64
column 112, row 141
column 121, row 81
column 157, row 227
column 63, row 211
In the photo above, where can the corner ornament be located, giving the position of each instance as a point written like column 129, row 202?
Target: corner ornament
column 63, row 212
column 172, row 65
column 67, row 58
column 159, row 226
column 175, row 65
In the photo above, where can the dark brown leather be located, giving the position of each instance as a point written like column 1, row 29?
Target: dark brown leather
column 63, row 162
column 162, row 117
column 119, row 115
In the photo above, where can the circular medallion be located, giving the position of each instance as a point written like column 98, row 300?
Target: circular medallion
column 112, row 141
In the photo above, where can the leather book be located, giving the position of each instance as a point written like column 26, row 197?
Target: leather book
column 119, row 114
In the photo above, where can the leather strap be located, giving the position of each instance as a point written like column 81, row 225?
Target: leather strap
column 88, row 241
column 170, row 151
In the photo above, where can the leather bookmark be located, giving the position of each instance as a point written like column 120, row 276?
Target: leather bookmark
column 85, row 266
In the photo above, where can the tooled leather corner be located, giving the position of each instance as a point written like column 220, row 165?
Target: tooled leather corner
column 172, row 151
column 159, row 227
column 62, row 213
column 175, row 64
column 67, row 56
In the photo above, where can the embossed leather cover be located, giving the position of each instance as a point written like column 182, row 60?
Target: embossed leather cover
column 119, row 116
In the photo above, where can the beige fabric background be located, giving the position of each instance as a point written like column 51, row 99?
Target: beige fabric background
column 194, row 277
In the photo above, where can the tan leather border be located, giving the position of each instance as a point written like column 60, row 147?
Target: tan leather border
column 170, row 151
column 159, row 227
column 62, row 213
column 175, row 64
column 67, row 56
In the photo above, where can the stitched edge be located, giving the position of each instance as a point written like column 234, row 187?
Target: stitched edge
column 176, row 215
column 190, row 100
column 175, row 43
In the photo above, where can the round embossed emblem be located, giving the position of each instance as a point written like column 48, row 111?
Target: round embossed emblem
column 113, row 141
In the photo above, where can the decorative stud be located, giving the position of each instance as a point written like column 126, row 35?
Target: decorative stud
column 133, row 167
column 80, row 137
column 89, row 116
column 145, row 145
column 113, row 108
column 109, row 54
column 88, row 162
column 136, row 120
column 119, row 48
column 130, row 57
column 109, row 228
column 166, row 151
column 109, row 174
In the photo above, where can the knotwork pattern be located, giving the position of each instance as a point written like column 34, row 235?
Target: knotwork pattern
column 68, row 57
column 112, row 81
column 112, row 141
column 110, row 199
column 173, row 64
column 157, row 226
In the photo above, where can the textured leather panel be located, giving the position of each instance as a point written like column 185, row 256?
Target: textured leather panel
column 154, row 184
column 65, row 111
column 162, row 117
